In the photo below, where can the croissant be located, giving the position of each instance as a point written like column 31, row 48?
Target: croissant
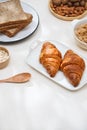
column 73, row 67
column 50, row 57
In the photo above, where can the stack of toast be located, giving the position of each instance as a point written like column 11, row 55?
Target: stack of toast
column 13, row 18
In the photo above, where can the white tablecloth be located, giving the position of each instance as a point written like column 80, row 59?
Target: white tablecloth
column 41, row 104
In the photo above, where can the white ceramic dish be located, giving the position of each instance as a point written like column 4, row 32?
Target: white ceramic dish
column 77, row 23
column 30, row 29
column 33, row 61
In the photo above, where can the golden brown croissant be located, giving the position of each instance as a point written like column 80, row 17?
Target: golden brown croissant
column 73, row 66
column 50, row 58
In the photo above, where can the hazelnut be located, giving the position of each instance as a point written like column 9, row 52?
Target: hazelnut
column 70, row 4
column 82, row 3
column 64, row 1
column 56, row 2
column 76, row 4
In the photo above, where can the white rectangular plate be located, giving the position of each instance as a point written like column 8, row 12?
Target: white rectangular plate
column 33, row 61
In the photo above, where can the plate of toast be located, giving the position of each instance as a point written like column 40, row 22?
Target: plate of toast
column 68, row 9
column 59, row 63
column 18, row 21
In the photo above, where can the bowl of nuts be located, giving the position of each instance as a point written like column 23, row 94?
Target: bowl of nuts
column 68, row 9
column 80, row 33
column 4, row 57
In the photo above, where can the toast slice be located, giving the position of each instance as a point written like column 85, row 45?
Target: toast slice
column 14, row 31
column 11, row 14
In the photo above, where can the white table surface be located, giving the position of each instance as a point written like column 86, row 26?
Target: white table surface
column 41, row 104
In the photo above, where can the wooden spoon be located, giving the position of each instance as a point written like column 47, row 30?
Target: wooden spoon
column 19, row 78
